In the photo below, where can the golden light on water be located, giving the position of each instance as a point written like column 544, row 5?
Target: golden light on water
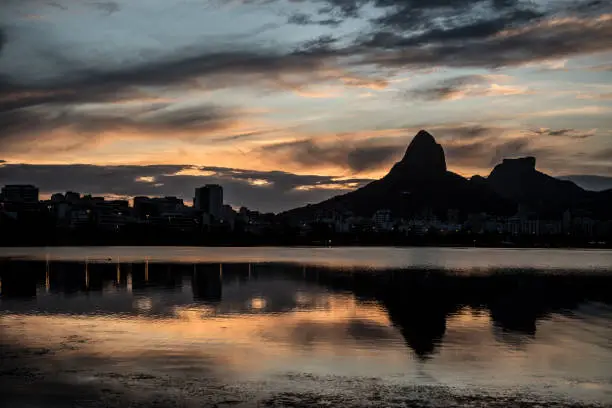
column 258, row 303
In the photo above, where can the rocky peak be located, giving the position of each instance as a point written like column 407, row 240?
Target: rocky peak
column 423, row 156
column 518, row 166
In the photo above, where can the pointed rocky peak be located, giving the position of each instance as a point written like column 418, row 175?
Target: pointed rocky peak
column 423, row 156
column 424, row 136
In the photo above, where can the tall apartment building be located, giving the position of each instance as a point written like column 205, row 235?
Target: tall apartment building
column 209, row 199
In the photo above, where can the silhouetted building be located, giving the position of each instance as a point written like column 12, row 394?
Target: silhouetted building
column 72, row 197
column 228, row 216
column 382, row 220
column 146, row 207
column 177, row 220
column 110, row 220
column 209, row 199
column 143, row 207
column 114, row 205
column 20, row 193
column 520, row 226
column 57, row 198
column 88, row 198
column 80, row 218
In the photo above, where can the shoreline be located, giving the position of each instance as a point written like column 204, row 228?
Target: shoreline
column 604, row 246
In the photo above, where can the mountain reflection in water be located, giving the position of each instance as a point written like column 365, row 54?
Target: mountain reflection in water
column 273, row 324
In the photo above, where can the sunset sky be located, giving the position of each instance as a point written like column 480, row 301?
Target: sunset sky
column 286, row 102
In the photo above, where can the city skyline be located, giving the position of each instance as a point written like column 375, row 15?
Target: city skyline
column 240, row 185
column 286, row 103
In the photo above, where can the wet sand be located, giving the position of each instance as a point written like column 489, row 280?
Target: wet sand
column 35, row 378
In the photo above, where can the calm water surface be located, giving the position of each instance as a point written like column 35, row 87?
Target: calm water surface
column 305, row 327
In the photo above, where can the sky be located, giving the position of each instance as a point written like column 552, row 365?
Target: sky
column 288, row 102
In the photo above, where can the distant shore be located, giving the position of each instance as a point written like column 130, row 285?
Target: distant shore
column 521, row 245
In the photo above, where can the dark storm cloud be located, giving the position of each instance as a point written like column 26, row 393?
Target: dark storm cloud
column 342, row 8
column 477, row 33
column 354, row 8
column 419, row 14
column 321, row 45
column 591, row 6
column 478, row 29
column 405, row 13
column 282, row 191
column 536, row 42
column 306, row 19
column 356, row 157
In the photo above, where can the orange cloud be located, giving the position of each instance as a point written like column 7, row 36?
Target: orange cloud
column 318, row 92
column 345, row 186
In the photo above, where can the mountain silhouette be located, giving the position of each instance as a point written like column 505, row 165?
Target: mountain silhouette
column 420, row 182
column 518, row 180
column 423, row 155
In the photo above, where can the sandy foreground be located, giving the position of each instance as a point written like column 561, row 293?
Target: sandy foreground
column 33, row 378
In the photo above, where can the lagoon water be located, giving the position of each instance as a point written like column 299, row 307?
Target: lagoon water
column 355, row 327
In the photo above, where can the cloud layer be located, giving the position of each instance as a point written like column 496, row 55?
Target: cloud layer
column 296, row 84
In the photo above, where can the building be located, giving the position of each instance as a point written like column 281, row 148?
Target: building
column 89, row 199
column 228, row 216
column 80, row 218
column 119, row 206
column 110, row 220
column 72, row 197
column 57, row 198
column 20, row 193
column 209, row 199
column 382, row 220
column 176, row 220
column 147, row 207
column 521, row 226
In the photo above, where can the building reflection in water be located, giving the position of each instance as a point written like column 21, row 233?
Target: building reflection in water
column 418, row 303
column 206, row 283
